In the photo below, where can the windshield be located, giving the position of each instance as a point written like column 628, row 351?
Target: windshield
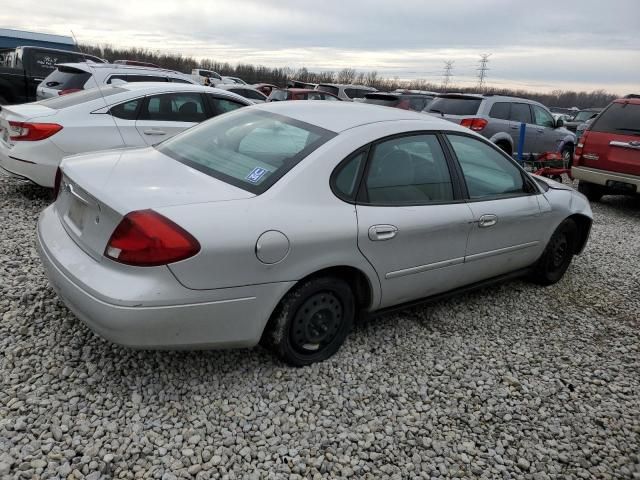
column 250, row 149
column 454, row 106
column 584, row 116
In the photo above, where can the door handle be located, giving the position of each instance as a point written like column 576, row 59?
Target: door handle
column 379, row 233
column 154, row 132
column 515, row 127
column 486, row 221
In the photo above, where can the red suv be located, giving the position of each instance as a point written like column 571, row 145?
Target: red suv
column 607, row 158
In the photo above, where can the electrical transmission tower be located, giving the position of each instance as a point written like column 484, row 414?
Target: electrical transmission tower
column 446, row 76
column 483, row 69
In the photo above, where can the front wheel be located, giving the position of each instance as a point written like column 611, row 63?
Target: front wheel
column 558, row 254
column 312, row 321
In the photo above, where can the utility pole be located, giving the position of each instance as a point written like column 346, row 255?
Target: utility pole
column 483, row 69
column 446, row 76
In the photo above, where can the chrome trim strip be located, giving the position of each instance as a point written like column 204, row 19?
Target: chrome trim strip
column 500, row 251
column 632, row 145
column 424, row 268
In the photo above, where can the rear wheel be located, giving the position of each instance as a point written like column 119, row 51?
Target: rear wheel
column 567, row 155
column 590, row 190
column 312, row 321
column 557, row 255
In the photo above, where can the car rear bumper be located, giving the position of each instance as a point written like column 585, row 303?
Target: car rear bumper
column 27, row 163
column 147, row 307
column 604, row 177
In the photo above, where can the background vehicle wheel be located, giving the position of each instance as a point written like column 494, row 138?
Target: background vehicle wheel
column 557, row 255
column 312, row 321
column 567, row 155
column 505, row 147
column 590, row 190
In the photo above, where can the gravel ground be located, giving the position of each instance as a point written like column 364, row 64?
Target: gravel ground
column 513, row 381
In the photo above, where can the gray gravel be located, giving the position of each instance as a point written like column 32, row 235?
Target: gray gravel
column 513, row 381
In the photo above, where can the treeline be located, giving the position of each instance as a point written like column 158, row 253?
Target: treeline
column 280, row 76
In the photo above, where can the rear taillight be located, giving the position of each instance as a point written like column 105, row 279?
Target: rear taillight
column 577, row 154
column 145, row 238
column 475, row 124
column 56, row 183
column 67, row 91
column 31, row 132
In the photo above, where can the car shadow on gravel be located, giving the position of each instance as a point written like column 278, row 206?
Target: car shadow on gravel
column 29, row 191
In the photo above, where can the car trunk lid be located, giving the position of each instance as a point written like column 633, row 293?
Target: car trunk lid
column 97, row 190
column 20, row 113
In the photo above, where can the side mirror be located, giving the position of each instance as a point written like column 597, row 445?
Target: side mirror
column 559, row 123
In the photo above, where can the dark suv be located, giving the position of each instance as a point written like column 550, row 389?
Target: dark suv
column 607, row 159
column 498, row 118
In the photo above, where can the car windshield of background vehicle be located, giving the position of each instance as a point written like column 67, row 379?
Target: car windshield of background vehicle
column 620, row 118
column 248, row 149
column 455, row 106
column 77, row 98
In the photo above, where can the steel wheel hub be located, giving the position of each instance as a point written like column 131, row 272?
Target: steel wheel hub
column 317, row 322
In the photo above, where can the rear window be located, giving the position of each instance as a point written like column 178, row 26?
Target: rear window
column 620, row 118
column 64, row 78
column 43, row 62
column 584, row 116
column 455, row 106
column 247, row 148
column 329, row 88
column 77, row 98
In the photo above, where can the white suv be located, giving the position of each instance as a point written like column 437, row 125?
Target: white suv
column 73, row 77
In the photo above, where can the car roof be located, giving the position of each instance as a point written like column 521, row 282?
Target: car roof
column 152, row 87
column 341, row 116
column 120, row 67
column 633, row 100
column 346, row 85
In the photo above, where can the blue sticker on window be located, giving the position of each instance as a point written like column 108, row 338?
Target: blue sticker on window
column 256, row 174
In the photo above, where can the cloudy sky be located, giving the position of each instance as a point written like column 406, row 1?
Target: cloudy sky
column 538, row 45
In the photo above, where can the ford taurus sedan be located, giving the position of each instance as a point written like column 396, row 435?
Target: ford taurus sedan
column 281, row 223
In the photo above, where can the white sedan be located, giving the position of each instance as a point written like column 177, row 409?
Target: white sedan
column 34, row 137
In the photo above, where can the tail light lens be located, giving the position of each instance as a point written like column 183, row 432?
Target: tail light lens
column 56, row 183
column 67, row 91
column 145, row 238
column 577, row 154
column 475, row 124
column 31, row 132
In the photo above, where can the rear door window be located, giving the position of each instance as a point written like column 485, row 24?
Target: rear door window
column 521, row 113
column 500, row 110
column 329, row 88
column 455, row 105
column 127, row 110
column 174, row 107
column 620, row 118
column 223, row 105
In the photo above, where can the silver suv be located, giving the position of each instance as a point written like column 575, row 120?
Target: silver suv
column 498, row 118
column 346, row 92
column 71, row 77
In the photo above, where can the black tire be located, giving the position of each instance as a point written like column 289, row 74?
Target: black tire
column 590, row 190
column 312, row 321
column 557, row 256
column 505, row 147
column 567, row 155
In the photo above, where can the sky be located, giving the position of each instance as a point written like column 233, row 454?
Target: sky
column 540, row 45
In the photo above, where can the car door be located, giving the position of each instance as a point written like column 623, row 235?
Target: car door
column 167, row 114
column 507, row 231
column 412, row 223
column 547, row 138
column 521, row 113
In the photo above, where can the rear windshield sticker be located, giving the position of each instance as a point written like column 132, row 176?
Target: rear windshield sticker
column 256, row 174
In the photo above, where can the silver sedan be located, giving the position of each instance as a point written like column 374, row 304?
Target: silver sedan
column 282, row 223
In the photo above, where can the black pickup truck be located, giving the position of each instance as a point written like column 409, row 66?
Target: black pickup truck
column 23, row 68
